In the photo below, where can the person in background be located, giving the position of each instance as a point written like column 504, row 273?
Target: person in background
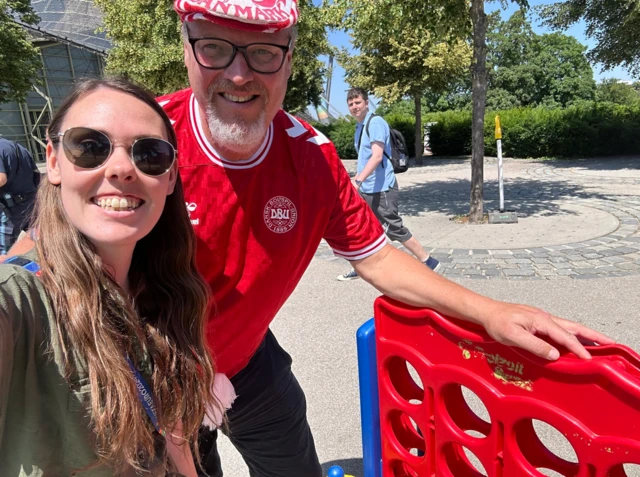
column 104, row 368
column 19, row 179
column 375, row 180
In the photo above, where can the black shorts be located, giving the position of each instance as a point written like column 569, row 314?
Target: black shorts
column 385, row 207
column 268, row 420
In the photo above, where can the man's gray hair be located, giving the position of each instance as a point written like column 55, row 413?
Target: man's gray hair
column 185, row 32
column 293, row 35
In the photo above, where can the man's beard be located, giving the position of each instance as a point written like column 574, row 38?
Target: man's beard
column 236, row 134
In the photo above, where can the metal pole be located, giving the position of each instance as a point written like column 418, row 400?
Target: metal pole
column 327, row 89
column 499, row 140
column 500, row 175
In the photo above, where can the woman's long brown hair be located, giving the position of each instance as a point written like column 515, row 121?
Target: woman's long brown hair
column 98, row 326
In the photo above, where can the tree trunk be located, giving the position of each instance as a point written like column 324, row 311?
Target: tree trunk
column 479, row 95
column 418, row 143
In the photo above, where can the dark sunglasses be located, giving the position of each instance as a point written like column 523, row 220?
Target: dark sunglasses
column 89, row 149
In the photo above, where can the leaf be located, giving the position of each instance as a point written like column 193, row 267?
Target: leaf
column 614, row 25
column 19, row 59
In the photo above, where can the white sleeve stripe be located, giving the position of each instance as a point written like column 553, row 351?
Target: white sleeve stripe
column 363, row 252
column 382, row 238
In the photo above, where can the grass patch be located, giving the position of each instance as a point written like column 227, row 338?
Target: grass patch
column 464, row 219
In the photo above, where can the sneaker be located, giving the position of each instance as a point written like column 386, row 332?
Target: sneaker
column 432, row 263
column 350, row 275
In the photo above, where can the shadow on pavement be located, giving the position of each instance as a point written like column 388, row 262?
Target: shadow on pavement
column 526, row 196
column 613, row 163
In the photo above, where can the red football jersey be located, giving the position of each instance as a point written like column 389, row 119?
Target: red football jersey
column 260, row 221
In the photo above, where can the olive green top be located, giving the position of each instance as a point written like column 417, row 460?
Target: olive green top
column 44, row 423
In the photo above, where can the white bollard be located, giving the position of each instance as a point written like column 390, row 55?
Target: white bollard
column 500, row 181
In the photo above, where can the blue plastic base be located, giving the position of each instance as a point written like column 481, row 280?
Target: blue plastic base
column 369, row 401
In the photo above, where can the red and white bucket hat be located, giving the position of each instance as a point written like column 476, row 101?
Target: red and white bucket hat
column 253, row 15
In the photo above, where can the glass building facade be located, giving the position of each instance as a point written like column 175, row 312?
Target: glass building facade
column 71, row 47
column 62, row 64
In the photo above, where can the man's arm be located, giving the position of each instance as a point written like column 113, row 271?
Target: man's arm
column 377, row 152
column 400, row 276
column 5, row 163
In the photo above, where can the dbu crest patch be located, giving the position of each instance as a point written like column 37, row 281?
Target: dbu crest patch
column 280, row 215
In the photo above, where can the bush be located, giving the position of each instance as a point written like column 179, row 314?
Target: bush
column 584, row 129
column 451, row 133
column 341, row 133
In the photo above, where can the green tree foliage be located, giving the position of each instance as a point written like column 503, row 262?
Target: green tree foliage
column 147, row 44
column 406, row 66
column 402, row 107
column 526, row 69
column 399, row 55
column 456, row 97
column 147, row 48
column 19, row 59
column 306, row 84
column 615, row 91
column 613, row 24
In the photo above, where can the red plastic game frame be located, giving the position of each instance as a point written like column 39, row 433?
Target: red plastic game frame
column 594, row 403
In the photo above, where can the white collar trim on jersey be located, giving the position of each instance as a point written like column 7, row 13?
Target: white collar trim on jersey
column 214, row 155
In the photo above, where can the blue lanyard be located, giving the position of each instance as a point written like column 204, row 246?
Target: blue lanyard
column 146, row 397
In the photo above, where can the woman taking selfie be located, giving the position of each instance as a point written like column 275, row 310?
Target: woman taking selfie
column 103, row 364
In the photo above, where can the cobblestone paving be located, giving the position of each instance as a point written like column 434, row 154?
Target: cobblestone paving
column 613, row 255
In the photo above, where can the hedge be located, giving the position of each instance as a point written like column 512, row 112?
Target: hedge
column 341, row 133
column 586, row 129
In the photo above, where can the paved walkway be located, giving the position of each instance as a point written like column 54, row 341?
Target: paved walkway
column 577, row 218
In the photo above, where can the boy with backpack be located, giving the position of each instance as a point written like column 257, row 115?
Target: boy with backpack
column 381, row 154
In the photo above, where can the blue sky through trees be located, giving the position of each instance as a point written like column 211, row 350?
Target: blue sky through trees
column 339, row 87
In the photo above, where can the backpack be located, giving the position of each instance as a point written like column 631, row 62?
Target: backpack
column 399, row 153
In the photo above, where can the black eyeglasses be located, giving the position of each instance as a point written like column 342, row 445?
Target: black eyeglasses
column 217, row 54
column 90, row 149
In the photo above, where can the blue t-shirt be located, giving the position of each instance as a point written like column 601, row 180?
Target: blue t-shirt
column 382, row 178
column 17, row 163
